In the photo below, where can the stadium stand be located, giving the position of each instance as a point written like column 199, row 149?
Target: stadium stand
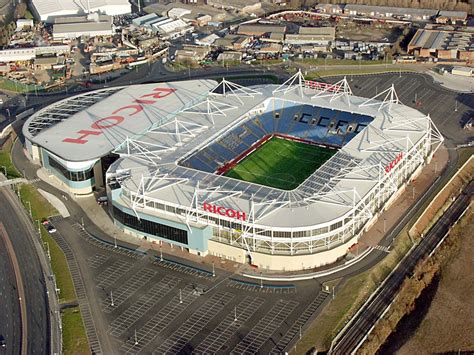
column 316, row 124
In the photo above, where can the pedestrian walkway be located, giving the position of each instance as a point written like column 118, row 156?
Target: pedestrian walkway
column 56, row 202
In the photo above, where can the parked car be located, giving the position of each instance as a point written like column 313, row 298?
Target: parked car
column 49, row 227
column 102, row 200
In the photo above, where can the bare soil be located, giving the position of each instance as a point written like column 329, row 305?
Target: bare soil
column 443, row 320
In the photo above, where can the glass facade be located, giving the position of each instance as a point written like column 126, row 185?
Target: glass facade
column 71, row 175
column 149, row 227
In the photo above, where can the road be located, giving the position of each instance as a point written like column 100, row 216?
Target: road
column 16, row 225
column 10, row 326
column 359, row 327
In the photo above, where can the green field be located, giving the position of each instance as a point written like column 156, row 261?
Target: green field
column 281, row 163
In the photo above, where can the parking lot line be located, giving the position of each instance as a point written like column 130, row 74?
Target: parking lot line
column 142, row 306
column 195, row 323
column 264, row 329
column 235, row 319
column 110, row 275
column 127, row 289
column 161, row 320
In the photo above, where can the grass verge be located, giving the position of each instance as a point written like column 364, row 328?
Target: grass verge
column 74, row 335
column 6, row 161
column 60, row 268
column 41, row 210
column 314, row 75
column 350, row 297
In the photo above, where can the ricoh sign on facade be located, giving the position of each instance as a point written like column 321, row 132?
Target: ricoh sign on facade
column 224, row 211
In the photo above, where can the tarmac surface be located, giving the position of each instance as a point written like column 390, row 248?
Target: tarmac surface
column 448, row 109
column 10, row 326
column 37, row 308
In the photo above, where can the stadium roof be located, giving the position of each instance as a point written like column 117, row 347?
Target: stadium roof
column 329, row 193
column 153, row 142
column 50, row 127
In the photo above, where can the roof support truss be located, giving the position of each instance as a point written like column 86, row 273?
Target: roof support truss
column 296, row 82
column 209, row 108
column 234, row 90
column 335, row 91
column 389, row 95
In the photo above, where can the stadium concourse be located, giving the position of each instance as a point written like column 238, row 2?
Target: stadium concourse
column 283, row 177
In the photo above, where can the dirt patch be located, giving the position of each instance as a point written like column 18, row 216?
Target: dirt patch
column 451, row 190
column 448, row 325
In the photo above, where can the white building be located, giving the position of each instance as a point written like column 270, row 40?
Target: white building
column 22, row 23
column 178, row 12
column 24, row 54
column 47, row 10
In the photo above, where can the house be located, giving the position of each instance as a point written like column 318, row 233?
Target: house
column 453, row 17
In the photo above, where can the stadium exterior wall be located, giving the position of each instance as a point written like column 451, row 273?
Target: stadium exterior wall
column 295, row 253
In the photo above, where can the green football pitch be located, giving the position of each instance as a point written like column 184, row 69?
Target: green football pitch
column 281, row 163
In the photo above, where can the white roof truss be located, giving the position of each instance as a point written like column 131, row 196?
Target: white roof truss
column 389, row 97
column 180, row 129
column 142, row 150
column 293, row 83
column 209, row 108
column 235, row 90
column 335, row 91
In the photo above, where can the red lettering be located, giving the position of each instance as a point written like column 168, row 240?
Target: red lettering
column 241, row 215
column 114, row 120
column 80, row 140
column 394, row 162
column 137, row 108
column 117, row 119
column 159, row 93
column 144, row 102
column 228, row 212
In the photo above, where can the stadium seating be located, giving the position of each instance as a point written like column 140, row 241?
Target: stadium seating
column 320, row 125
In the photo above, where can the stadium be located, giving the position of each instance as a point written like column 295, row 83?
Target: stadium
column 284, row 177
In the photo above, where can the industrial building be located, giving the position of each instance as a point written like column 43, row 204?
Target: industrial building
column 446, row 45
column 79, row 26
column 312, row 35
column 167, row 28
column 27, row 54
column 48, row 10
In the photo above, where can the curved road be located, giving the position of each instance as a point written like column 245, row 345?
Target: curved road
column 16, row 224
column 10, row 326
